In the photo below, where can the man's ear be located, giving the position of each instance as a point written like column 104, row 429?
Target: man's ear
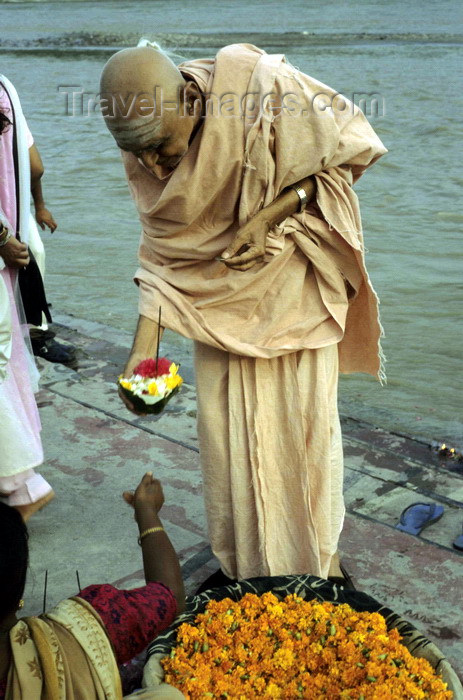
column 192, row 97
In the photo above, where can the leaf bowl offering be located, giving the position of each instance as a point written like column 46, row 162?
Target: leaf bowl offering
column 152, row 385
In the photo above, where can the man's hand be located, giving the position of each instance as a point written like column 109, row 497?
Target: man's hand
column 134, row 359
column 132, row 362
column 144, row 345
column 45, row 218
column 15, row 254
column 248, row 246
column 148, row 496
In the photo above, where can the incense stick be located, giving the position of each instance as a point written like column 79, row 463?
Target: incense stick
column 45, row 592
column 78, row 581
column 158, row 341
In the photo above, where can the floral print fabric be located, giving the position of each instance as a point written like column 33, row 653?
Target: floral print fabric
column 132, row 618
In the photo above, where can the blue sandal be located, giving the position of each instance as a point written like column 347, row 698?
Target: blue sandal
column 458, row 543
column 417, row 516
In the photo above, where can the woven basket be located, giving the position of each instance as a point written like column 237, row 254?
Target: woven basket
column 307, row 587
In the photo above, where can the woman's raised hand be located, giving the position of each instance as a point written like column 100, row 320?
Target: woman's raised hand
column 148, row 496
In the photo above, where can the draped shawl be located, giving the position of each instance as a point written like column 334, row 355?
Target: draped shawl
column 17, row 220
column 65, row 654
column 312, row 289
column 9, row 207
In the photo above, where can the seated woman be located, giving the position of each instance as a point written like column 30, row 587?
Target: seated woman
column 72, row 652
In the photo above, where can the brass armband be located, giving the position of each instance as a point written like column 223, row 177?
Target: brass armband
column 303, row 199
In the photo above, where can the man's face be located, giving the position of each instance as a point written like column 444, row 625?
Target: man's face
column 157, row 140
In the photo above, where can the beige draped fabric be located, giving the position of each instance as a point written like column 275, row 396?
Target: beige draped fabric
column 271, row 451
column 268, row 339
column 63, row 655
column 297, row 298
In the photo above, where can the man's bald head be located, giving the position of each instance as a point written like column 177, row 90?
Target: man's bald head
column 140, row 70
column 137, row 85
column 149, row 105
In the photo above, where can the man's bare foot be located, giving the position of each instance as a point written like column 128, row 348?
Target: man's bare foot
column 338, row 574
column 335, row 569
column 28, row 510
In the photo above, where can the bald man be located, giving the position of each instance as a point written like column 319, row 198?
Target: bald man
column 241, row 168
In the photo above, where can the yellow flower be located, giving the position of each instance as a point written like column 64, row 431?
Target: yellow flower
column 153, row 389
column 173, row 382
column 125, row 383
column 273, row 691
column 284, row 658
column 275, row 609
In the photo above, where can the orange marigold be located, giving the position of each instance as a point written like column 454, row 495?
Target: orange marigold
column 261, row 647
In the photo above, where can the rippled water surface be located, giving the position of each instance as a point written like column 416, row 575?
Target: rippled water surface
column 410, row 199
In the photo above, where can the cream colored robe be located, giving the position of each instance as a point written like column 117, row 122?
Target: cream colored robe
column 311, row 294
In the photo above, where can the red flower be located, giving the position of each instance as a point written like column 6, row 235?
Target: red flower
column 147, row 368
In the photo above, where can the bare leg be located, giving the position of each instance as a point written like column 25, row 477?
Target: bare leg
column 28, row 510
column 335, row 569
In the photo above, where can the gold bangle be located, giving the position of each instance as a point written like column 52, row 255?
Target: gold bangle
column 148, row 532
column 4, row 237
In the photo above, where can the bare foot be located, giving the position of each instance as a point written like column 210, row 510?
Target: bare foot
column 335, row 569
column 28, row 510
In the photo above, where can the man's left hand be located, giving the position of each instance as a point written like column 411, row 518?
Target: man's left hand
column 45, row 218
column 248, row 246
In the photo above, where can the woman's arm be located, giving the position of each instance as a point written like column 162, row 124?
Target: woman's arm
column 133, row 618
column 252, row 236
column 42, row 215
column 160, row 561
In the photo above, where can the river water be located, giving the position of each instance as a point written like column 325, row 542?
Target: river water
column 409, row 54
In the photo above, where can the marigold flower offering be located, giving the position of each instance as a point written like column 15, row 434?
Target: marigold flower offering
column 152, row 384
column 261, row 647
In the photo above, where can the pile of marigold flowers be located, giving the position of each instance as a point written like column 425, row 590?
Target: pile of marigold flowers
column 260, row 647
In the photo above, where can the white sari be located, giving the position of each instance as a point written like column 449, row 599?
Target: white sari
column 20, row 444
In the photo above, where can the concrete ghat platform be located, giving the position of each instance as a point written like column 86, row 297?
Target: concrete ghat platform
column 95, row 449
